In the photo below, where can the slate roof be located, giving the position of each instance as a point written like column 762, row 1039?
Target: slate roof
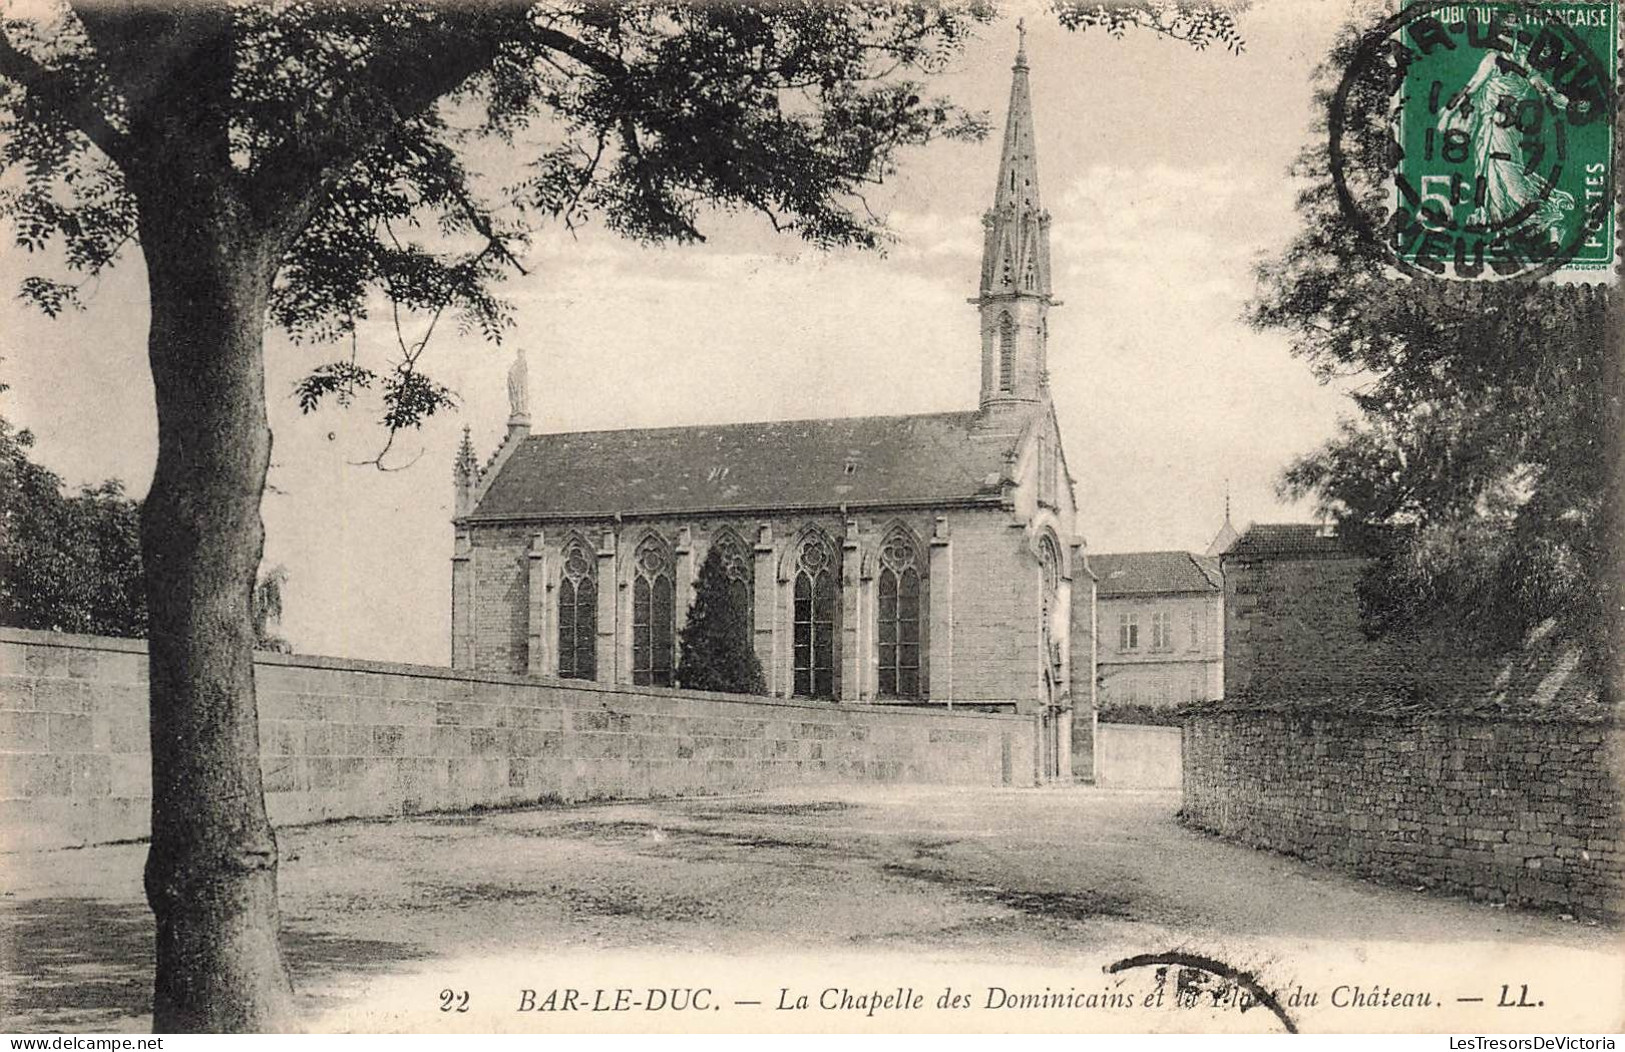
column 874, row 461
column 1148, row 573
column 1223, row 540
column 1285, row 541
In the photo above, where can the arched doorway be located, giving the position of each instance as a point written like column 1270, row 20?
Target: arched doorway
column 1055, row 736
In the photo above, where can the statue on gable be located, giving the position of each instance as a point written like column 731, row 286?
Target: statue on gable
column 519, row 389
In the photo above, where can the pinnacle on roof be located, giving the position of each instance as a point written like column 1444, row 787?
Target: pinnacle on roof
column 467, row 463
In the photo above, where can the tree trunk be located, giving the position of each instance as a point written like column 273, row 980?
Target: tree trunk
column 211, row 871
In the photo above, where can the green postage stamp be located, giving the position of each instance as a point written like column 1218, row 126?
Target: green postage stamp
column 1504, row 123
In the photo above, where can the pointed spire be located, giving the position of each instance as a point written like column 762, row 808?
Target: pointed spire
column 1014, row 297
column 1018, row 164
column 1016, row 253
column 1227, row 534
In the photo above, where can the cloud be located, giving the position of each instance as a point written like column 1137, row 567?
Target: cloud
column 1137, row 213
column 937, row 234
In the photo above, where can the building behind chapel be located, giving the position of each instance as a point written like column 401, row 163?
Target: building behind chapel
column 930, row 559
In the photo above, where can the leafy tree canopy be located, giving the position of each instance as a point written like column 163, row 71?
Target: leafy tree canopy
column 321, row 119
column 1198, row 24
column 72, row 562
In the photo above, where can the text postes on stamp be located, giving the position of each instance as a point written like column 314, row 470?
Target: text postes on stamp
column 1502, row 120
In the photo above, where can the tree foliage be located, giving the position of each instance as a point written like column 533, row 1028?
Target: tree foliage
column 68, row 562
column 72, row 562
column 1199, row 24
column 355, row 125
column 1476, row 468
column 716, row 650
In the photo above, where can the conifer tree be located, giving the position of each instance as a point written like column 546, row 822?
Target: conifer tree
column 716, row 645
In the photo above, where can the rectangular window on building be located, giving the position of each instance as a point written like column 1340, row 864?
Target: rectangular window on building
column 1196, row 630
column 1162, row 635
column 1128, row 632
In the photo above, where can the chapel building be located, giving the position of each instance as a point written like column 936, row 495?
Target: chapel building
column 930, row 559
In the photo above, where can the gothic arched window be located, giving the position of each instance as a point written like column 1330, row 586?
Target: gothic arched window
column 1049, row 561
column 578, row 613
column 817, row 590
column 1007, row 353
column 900, row 610
column 653, row 614
column 740, row 572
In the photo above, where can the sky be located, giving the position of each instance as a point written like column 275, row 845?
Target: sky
column 1165, row 171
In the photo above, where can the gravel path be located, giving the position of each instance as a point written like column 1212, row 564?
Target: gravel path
column 992, row 893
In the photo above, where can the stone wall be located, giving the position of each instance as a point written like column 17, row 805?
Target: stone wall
column 342, row 739
column 1135, row 756
column 1294, row 623
column 1511, row 810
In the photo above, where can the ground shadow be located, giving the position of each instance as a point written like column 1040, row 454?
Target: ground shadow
column 1081, row 905
column 314, row 956
column 87, row 963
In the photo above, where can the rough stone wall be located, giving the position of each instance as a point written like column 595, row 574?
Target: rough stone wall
column 346, row 739
column 1293, row 625
column 1508, row 810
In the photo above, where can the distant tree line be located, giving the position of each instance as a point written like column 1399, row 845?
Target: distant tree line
column 71, row 561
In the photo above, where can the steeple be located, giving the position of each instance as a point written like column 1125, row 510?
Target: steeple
column 1227, row 534
column 1014, row 298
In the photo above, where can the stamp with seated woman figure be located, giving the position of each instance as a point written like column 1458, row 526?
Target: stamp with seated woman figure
column 1499, row 158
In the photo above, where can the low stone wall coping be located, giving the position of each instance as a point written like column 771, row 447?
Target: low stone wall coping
column 1357, row 708
column 68, row 640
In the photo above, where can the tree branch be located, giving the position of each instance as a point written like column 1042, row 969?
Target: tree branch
column 600, row 62
column 399, row 85
column 60, row 94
